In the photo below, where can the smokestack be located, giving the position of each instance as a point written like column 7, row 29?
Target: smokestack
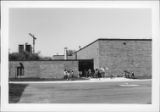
column 65, row 53
column 21, row 49
column 28, row 48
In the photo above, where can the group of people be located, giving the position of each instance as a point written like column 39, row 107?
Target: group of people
column 68, row 74
column 96, row 73
column 128, row 74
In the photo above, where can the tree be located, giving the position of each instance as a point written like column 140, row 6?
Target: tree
column 70, row 52
column 23, row 56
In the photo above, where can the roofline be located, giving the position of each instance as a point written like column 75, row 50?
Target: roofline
column 86, row 46
column 58, row 55
column 132, row 39
column 51, row 60
column 115, row 39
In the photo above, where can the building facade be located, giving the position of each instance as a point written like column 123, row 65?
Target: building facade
column 115, row 55
column 119, row 55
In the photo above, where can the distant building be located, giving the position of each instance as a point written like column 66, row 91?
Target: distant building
column 62, row 57
column 68, row 55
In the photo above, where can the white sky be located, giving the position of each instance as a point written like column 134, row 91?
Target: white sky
column 57, row 28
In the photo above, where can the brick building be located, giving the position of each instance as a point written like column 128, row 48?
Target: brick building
column 119, row 55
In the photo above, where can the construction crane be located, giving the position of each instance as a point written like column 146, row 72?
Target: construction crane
column 34, row 38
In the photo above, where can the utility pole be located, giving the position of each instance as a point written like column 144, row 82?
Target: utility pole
column 34, row 38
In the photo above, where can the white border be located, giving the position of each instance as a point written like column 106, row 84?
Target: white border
column 154, row 5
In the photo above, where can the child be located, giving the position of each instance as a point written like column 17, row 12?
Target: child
column 65, row 74
column 72, row 73
column 68, row 75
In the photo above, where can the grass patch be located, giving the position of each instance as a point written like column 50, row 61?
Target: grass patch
column 15, row 92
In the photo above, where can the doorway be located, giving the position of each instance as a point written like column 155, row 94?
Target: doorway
column 84, row 66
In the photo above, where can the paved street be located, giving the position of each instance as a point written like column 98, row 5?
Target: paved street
column 134, row 92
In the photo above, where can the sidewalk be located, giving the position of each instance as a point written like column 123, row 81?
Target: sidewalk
column 85, row 81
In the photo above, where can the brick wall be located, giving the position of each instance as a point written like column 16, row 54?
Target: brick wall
column 128, row 55
column 90, row 52
column 43, row 69
column 117, row 55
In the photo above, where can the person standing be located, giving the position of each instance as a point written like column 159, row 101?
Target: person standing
column 89, row 72
column 96, row 73
column 72, row 74
column 80, row 73
column 99, row 74
column 65, row 74
column 68, row 75
column 102, row 71
column 132, row 75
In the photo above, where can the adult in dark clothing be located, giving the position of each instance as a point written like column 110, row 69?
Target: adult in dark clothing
column 72, row 74
column 96, row 73
column 93, row 72
column 99, row 74
column 132, row 75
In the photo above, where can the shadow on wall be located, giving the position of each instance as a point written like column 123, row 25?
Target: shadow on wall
column 15, row 92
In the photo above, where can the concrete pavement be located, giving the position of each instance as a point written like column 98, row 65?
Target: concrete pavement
column 103, row 92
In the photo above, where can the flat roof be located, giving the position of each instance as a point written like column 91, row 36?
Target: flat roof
column 53, row 60
column 131, row 39
column 114, row 39
column 58, row 55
